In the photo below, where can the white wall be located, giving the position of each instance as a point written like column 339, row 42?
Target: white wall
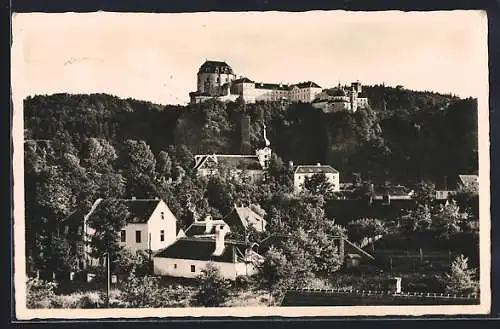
column 182, row 268
column 298, row 181
column 156, row 224
column 130, row 241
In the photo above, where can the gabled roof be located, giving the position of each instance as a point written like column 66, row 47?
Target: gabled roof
column 243, row 216
column 469, row 180
column 202, row 249
column 315, row 169
column 307, row 84
column 233, row 161
column 140, row 210
column 215, row 67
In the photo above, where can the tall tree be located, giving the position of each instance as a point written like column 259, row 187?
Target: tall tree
column 461, row 279
column 107, row 220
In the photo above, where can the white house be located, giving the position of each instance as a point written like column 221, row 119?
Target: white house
column 187, row 257
column 151, row 225
column 303, row 171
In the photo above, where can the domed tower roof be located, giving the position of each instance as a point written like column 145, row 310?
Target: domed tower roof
column 215, row 67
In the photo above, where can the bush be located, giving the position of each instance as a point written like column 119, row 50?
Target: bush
column 79, row 300
column 40, row 293
column 142, row 292
column 242, row 282
column 213, row 289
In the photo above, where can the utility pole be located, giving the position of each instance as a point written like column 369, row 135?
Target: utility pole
column 108, row 279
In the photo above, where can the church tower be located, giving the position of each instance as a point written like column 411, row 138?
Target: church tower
column 264, row 154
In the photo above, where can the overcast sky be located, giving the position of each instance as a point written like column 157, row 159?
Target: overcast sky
column 155, row 57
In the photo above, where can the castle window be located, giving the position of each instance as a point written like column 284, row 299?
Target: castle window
column 193, row 269
column 138, row 236
column 162, row 215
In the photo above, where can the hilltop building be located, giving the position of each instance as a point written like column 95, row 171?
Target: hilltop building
column 341, row 98
column 217, row 80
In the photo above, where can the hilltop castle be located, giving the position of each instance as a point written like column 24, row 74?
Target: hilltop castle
column 217, row 80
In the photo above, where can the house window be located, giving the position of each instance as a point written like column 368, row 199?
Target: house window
column 123, row 236
column 175, row 266
column 193, row 269
column 162, row 215
column 162, row 235
column 138, row 236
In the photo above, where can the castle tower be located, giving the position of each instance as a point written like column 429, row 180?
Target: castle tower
column 264, row 154
column 212, row 75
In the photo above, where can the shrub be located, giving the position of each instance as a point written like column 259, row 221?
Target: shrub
column 40, row 293
column 142, row 292
column 242, row 282
column 213, row 288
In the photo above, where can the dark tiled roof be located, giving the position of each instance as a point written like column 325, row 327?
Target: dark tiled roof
column 242, row 80
column 315, row 169
column 140, row 210
column 307, row 84
column 243, row 162
column 215, row 67
column 249, row 162
column 335, row 92
column 199, row 228
column 197, row 93
column 272, row 86
column 202, row 249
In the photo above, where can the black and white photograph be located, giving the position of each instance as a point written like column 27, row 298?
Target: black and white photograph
column 320, row 163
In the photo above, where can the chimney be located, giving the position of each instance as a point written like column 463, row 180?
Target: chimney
column 318, row 164
column 133, row 198
column 208, row 224
column 220, row 233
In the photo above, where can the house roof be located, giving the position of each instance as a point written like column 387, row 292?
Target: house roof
column 243, row 216
column 243, row 80
column 243, row 162
column 335, row 92
column 215, row 67
column 469, row 180
column 397, row 190
column 140, row 210
column 315, row 169
column 199, row 228
column 202, row 249
column 307, row 84
column 272, row 86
